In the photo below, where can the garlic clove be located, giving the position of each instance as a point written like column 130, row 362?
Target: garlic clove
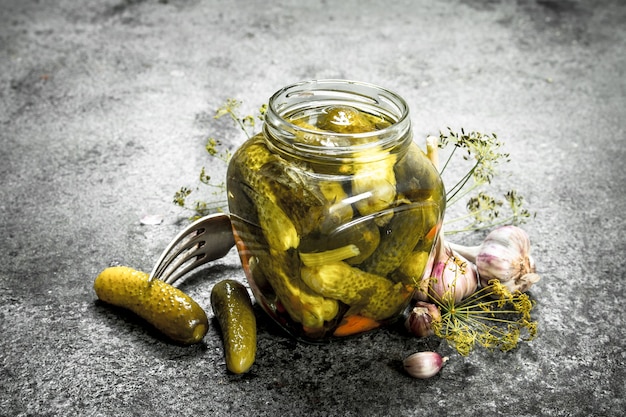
column 424, row 364
column 419, row 322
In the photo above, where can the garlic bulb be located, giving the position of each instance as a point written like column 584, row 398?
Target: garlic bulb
column 504, row 255
column 424, row 364
column 452, row 278
column 419, row 322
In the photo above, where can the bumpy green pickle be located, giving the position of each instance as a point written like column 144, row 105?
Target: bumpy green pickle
column 345, row 119
column 302, row 304
column 296, row 194
column 370, row 295
column 255, row 156
column 374, row 178
column 235, row 315
column 167, row 308
column 412, row 268
column 337, row 119
column 338, row 212
column 362, row 233
column 278, row 229
column 398, row 239
column 416, row 178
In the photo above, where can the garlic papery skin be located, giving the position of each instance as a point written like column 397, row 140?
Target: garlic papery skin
column 453, row 278
column 424, row 364
column 420, row 319
column 504, row 255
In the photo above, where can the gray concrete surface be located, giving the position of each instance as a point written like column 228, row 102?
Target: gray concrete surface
column 104, row 110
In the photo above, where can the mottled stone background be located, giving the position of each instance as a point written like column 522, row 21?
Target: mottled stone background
column 105, row 107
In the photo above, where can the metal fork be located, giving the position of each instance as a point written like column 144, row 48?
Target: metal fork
column 206, row 239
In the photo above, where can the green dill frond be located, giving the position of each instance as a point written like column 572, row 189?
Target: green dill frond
column 483, row 149
column 216, row 200
column 181, row 195
column 262, row 111
column 246, row 123
column 484, row 152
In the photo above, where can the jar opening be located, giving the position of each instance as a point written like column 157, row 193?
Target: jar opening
column 336, row 118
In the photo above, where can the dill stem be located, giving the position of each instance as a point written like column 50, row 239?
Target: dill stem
column 478, row 313
column 210, row 184
column 239, row 122
column 466, row 216
column 478, row 295
column 222, row 158
column 460, row 186
column 458, row 195
column 448, row 160
column 475, row 228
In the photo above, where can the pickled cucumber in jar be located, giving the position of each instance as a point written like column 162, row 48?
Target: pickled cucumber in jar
column 331, row 203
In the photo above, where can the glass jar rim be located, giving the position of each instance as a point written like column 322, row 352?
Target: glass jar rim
column 300, row 95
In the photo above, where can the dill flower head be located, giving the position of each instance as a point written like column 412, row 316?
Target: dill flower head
column 493, row 317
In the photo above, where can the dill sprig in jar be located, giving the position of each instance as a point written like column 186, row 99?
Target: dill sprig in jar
column 334, row 208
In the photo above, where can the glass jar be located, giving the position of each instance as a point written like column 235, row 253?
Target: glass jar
column 334, row 208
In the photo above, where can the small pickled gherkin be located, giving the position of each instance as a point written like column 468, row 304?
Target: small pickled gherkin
column 296, row 194
column 254, row 155
column 337, row 210
column 278, row 229
column 374, row 179
column 363, row 233
column 417, row 178
column 285, row 187
column 412, row 269
column 345, row 119
column 303, row 305
column 399, row 237
column 332, row 255
column 369, row 295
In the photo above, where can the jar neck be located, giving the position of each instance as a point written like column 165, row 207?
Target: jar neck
column 302, row 140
